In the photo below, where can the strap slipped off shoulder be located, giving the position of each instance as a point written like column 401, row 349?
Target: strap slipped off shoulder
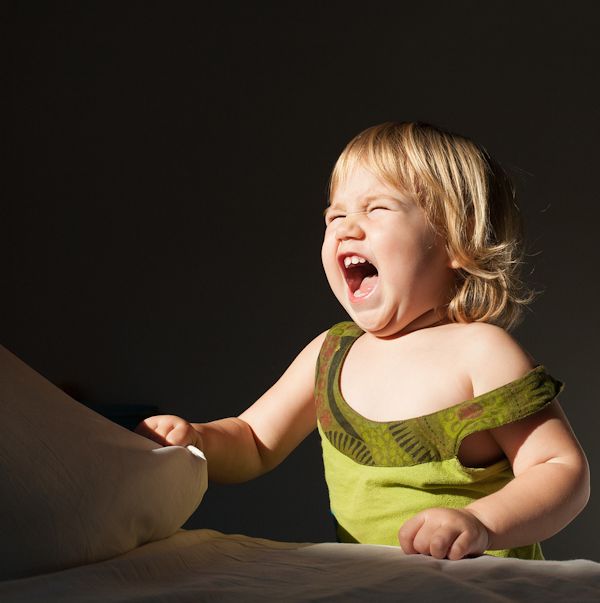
column 511, row 402
column 428, row 438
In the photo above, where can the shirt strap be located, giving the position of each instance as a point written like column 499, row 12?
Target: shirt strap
column 511, row 402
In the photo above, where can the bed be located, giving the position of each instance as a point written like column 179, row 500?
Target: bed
column 204, row 565
column 93, row 512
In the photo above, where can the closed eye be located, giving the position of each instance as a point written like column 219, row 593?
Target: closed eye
column 330, row 217
column 373, row 210
column 377, row 210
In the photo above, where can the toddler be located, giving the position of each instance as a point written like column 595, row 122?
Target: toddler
column 439, row 432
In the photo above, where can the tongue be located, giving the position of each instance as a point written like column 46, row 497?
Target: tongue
column 367, row 285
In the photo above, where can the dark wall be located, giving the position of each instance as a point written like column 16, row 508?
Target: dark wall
column 166, row 173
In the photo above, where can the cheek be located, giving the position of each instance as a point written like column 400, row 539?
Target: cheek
column 328, row 252
column 330, row 265
column 324, row 254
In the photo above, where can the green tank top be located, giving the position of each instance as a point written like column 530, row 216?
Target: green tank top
column 379, row 474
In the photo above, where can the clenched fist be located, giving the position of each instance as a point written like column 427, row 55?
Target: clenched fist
column 441, row 533
column 169, row 430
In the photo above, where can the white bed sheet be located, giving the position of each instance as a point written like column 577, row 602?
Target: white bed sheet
column 204, row 565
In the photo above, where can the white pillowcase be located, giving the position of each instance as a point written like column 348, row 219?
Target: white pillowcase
column 76, row 488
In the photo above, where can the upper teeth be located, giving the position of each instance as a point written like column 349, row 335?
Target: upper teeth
column 353, row 259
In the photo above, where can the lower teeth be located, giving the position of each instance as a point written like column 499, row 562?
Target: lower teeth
column 359, row 293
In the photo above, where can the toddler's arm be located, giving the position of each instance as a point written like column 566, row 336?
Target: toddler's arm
column 550, row 488
column 240, row 448
column 551, row 484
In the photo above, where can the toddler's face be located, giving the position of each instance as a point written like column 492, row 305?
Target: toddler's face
column 383, row 261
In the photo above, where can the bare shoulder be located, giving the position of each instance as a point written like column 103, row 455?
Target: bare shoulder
column 284, row 415
column 492, row 356
column 317, row 342
column 304, row 364
column 310, row 352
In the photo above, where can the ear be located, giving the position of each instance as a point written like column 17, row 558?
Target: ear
column 452, row 262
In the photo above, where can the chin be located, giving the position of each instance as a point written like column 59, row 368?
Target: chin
column 376, row 326
column 383, row 325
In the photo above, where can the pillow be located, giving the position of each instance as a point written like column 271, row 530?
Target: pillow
column 77, row 488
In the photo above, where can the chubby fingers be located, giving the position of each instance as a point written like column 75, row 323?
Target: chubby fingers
column 418, row 535
column 149, row 429
column 182, row 434
column 463, row 545
column 443, row 533
column 408, row 533
column 168, row 430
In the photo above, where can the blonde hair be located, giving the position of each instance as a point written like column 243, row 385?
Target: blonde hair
column 467, row 198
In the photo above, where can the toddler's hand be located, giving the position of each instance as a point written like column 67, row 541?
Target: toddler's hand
column 440, row 532
column 169, row 430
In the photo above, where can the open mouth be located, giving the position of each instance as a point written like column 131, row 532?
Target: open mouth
column 361, row 276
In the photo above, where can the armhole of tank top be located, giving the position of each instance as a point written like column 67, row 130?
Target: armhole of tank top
column 329, row 346
column 509, row 403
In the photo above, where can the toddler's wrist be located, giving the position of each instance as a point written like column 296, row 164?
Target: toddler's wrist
column 197, row 435
column 486, row 532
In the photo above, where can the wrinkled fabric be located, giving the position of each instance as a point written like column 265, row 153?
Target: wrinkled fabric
column 203, row 565
column 77, row 488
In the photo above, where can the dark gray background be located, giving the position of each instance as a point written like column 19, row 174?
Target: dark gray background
column 166, row 172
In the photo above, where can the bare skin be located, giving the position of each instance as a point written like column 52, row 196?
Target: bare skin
column 409, row 362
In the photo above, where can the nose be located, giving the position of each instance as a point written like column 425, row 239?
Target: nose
column 349, row 227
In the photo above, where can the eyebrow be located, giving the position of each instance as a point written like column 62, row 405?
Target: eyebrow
column 365, row 200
